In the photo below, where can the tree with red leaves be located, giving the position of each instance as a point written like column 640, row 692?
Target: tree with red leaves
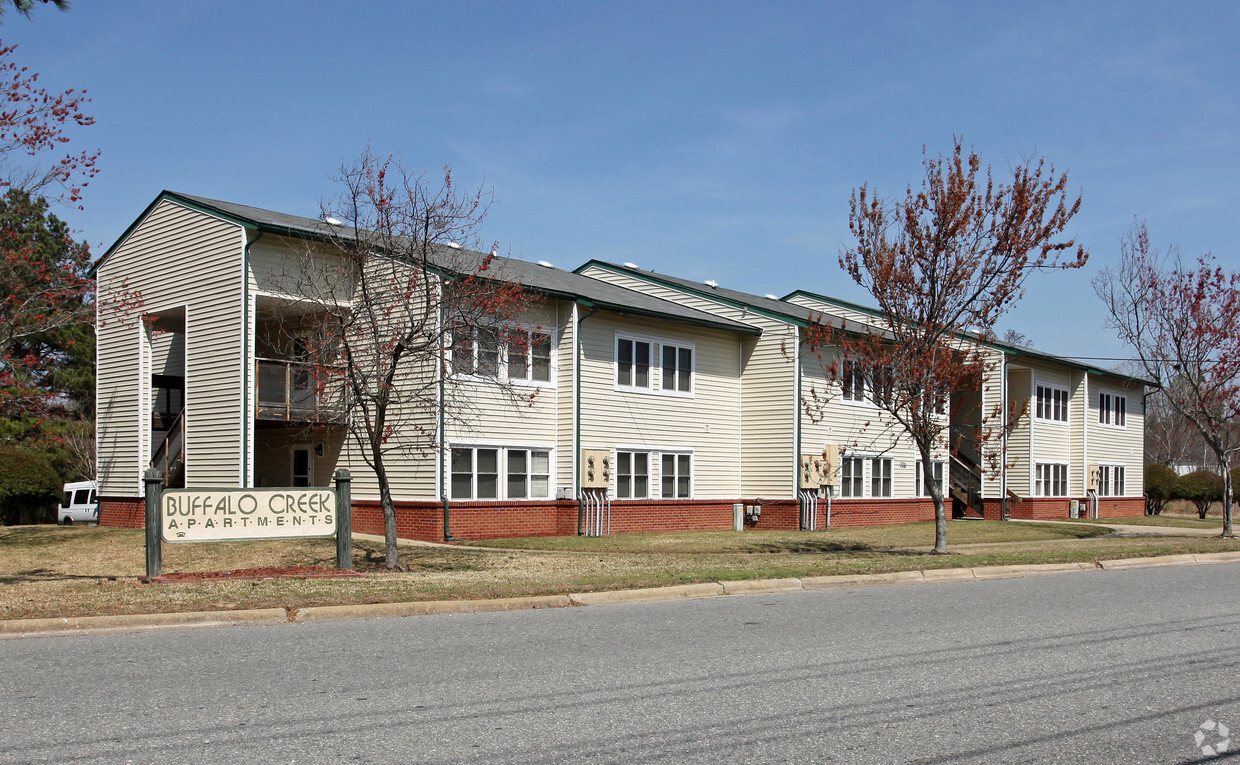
column 947, row 260
column 35, row 124
column 399, row 301
column 1183, row 323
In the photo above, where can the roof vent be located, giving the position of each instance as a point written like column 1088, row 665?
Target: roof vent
column 772, row 297
column 333, row 221
column 629, row 264
column 712, row 283
column 545, row 264
column 454, row 245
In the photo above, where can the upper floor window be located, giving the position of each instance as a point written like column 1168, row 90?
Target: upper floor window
column 650, row 365
column 1112, row 409
column 515, row 355
column 853, row 383
column 1052, row 403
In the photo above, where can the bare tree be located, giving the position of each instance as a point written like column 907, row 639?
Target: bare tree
column 1183, row 323
column 1170, row 438
column 400, row 301
column 949, row 258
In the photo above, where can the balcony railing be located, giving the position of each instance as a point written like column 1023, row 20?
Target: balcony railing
column 294, row 391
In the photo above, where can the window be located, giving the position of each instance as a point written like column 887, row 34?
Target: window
column 882, row 384
column 936, row 475
column 852, row 477
column 462, row 350
column 529, row 474
column 1052, row 404
column 880, row 477
column 1110, row 480
column 677, row 369
column 1052, row 480
column 676, row 476
column 632, row 363
column 529, row 356
column 632, row 475
column 853, row 384
column 476, row 472
column 1112, row 410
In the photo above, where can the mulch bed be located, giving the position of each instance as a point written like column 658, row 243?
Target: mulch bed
column 270, row 572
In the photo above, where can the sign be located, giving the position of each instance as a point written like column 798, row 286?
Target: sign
column 230, row 515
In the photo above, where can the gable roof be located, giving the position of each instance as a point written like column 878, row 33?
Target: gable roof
column 545, row 280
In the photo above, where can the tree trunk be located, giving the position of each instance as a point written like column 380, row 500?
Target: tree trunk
column 391, row 555
column 1227, row 489
column 936, row 494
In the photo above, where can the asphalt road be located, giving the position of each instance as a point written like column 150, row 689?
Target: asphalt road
column 1107, row 667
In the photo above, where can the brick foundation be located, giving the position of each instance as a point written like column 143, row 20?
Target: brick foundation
column 1056, row 508
column 122, row 512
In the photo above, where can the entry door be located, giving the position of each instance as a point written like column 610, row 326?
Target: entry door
column 301, row 466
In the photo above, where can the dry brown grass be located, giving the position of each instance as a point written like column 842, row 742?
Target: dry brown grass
column 50, row 571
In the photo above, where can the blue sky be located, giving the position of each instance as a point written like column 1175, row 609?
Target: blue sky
column 711, row 140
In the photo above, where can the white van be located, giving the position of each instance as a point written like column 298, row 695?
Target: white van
column 79, row 504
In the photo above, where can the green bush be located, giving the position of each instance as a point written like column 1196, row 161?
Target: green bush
column 29, row 487
column 1202, row 488
column 1159, row 481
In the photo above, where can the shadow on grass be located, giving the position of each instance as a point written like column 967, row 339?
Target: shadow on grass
column 46, row 575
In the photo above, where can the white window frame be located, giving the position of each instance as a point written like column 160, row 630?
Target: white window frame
column 1107, row 474
column 1055, row 391
column 855, row 389
column 1112, row 409
column 882, row 470
column 632, row 474
column 1049, row 474
column 678, row 457
column 655, row 369
column 849, row 479
column 919, row 484
column 503, row 464
column 503, row 353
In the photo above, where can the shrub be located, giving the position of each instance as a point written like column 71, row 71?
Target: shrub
column 1202, row 488
column 1159, row 481
column 28, row 485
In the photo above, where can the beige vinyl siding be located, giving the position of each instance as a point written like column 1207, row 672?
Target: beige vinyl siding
column 768, row 388
column 565, row 354
column 1020, row 392
column 1119, row 446
column 273, row 454
column 176, row 256
column 852, row 314
column 1052, row 441
column 708, row 423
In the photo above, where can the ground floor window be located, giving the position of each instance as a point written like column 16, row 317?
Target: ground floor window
column 852, row 477
column 1051, row 480
column 676, row 476
column 1110, row 480
column 632, row 475
column 880, row 477
column 476, row 472
column 936, row 475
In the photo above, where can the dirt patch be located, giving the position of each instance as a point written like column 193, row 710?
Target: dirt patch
column 269, row 572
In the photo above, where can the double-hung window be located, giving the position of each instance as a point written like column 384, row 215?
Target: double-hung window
column 1051, row 480
column 633, row 364
column 853, row 383
column 529, row 356
column 632, row 475
column 936, row 475
column 1110, row 480
column 1052, row 403
column 476, row 472
column 677, row 368
column 1112, row 409
column 676, row 476
column 880, row 477
column 852, row 477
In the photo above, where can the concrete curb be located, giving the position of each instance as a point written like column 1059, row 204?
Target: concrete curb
column 18, row 628
column 138, row 622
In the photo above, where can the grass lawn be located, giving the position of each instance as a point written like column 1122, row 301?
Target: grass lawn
column 1180, row 521
column 50, row 571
